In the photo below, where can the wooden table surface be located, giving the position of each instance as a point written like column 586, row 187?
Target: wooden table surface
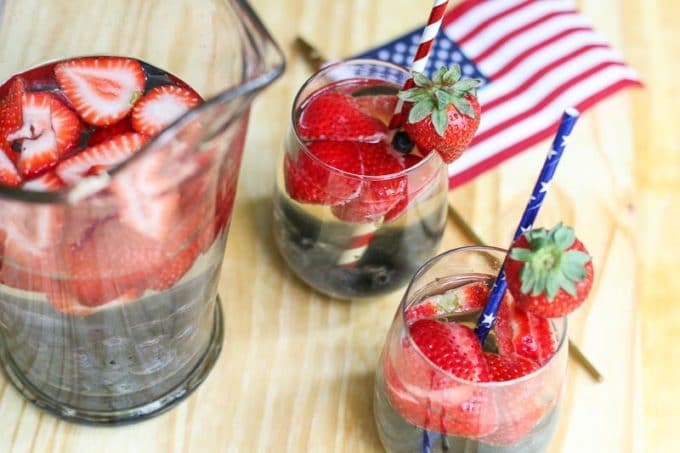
column 296, row 372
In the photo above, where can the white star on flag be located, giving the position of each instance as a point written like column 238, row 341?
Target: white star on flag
column 552, row 153
column 565, row 140
column 545, row 185
column 525, row 229
column 488, row 319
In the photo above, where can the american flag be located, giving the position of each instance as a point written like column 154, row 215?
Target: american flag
column 535, row 58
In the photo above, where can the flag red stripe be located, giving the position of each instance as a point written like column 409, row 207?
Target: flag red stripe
column 537, row 76
column 520, row 30
column 480, row 27
column 530, row 51
column 464, row 176
column 537, row 107
column 460, row 9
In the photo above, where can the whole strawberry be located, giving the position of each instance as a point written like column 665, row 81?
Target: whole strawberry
column 443, row 112
column 549, row 272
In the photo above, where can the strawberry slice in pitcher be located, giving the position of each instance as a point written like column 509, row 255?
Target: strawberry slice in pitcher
column 160, row 107
column 48, row 132
column 102, row 90
column 100, row 157
column 11, row 119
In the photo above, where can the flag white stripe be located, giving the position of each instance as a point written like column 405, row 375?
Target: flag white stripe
column 478, row 14
column 535, row 93
column 541, row 119
column 519, row 44
column 537, row 61
column 497, row 30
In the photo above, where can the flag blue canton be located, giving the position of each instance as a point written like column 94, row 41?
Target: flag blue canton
column 444, row 52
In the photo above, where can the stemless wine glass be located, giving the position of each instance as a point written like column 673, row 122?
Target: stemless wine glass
column 421, row 407
column 108, row 306
column 343, row 229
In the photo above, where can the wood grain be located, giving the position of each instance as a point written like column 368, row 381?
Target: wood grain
column 296, row 372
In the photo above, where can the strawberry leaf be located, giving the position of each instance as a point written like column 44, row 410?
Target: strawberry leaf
column 452, row 75
column 438, row 77
column 552, row 285
column 420, row 111
column 563, row 236
column 421, row 79
column 549, row 264
column 443, row 99
column 463, row 106
column 440, row 119
column 466, row 85
column 520, row 254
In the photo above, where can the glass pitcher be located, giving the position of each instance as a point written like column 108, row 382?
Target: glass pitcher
column 108, row 288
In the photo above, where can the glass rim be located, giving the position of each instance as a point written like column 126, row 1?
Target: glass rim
column 302, row 146
column 402, row 312
column 248, row 86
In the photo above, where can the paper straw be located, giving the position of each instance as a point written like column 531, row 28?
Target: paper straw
column 488, row 318
column 422, row 54
column 357, row 245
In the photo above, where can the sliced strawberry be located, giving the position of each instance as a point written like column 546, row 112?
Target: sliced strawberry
column 49, row 182
column 377, row 196
column 106, row 155
column 115, row 262
column 104, row 134
column 102, row 90
column 160, row 107
column 49, row 131
column 66, row 125
column 322, row 176
column 9, row 176
column 427, row 309
column 331, row 115
column 426, row 394
column 522, row 404
column 39, row 155
column 147, row 197
column 452, row 347
column 32, row 244
column 470, row 297
column 379, row 106
column 11, row 117
column 39, row 148
column 418, row 182
column 508, row 367
column 523, row 334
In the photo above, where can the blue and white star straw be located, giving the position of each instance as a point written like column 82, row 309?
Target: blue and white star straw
column 488, row 316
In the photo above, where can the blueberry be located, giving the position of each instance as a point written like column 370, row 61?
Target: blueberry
column 402, row 142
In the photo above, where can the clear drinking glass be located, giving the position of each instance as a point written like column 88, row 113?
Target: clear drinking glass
column 416, row 403
column 101, row 322
column 345, row 233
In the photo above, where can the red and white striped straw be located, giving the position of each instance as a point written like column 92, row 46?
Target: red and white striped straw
column 427, row 39
column 364, row 234
column 355, row 249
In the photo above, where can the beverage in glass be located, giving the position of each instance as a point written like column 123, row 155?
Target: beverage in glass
column 435, row 392
column 355, row 211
